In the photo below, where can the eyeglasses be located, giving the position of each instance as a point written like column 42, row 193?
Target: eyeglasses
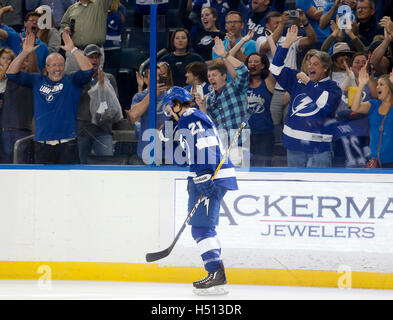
column 56, row 65
column 233, row 22
column 33, row 21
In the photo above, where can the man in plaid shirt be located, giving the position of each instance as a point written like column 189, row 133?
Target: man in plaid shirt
column 227, row 103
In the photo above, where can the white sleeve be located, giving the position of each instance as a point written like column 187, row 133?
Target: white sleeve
column 260, row 41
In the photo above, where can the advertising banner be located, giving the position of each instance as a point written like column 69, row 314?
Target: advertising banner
column 302, row 215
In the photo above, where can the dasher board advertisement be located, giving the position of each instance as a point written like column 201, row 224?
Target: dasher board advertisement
column 302, row 215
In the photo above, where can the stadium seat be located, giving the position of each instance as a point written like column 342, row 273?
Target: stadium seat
column 173, row 20
column 131, row 58
column 140, row 39
column 24, row 150
column 174, row 4
column 129, row 4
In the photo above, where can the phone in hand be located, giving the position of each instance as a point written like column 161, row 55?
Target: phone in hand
column 72, row 27
column 163, row 79
column 199, row 90
column 293, row 13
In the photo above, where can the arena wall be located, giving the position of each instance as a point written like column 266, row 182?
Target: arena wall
column 282, row 227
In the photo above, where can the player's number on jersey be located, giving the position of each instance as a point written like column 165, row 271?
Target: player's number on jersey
column 195, row 127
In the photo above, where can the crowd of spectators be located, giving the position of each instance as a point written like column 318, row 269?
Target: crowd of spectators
column 315, row 76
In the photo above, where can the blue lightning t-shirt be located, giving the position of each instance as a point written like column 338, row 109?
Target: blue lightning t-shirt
column 55, row 103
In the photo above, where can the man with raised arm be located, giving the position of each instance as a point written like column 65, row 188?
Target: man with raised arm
column 227, row 103
column 56, row 99
column 307, row 133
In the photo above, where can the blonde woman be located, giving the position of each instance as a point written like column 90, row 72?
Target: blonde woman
column 380, row 116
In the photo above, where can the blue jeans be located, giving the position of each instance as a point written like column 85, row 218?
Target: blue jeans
column 101, row 145
column 8, row 139
column 298, row 159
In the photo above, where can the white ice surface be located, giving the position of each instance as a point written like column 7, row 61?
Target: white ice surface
column 106, row 290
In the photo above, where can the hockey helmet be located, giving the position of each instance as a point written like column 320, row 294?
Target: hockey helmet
column 175, row 93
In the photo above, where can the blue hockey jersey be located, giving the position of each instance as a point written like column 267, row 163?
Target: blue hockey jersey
column 203, row 150
column 308, row 125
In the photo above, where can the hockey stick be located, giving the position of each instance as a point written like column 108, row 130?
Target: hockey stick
column 153, row 256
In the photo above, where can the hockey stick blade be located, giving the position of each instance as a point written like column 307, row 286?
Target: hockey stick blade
column 154, row 256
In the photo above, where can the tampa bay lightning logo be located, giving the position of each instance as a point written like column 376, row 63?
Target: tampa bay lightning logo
column 320, row 4
column 49, row 91
column 206, row 40
column 256, row 103
column 303, row 106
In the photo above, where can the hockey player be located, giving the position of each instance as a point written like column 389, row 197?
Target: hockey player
column 307, row 133
column 199, row 138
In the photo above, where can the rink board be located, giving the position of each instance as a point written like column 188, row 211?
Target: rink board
column 282, row 227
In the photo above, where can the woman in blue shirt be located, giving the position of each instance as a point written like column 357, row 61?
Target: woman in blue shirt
column 259, row 94
column 380, row 117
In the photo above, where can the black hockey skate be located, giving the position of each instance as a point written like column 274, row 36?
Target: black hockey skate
column 212, row 284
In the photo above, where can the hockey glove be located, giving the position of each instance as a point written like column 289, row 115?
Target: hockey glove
column 205, row 185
